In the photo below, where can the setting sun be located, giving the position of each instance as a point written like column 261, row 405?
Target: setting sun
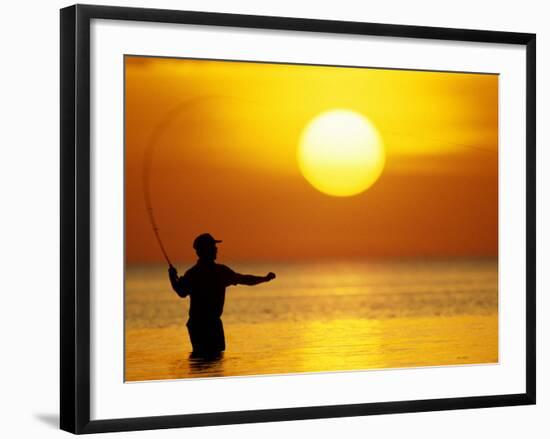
column 341, row 153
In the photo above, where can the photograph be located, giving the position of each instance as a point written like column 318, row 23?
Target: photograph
column 295, row 218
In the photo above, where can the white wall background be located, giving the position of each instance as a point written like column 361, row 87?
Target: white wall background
column 29, row 217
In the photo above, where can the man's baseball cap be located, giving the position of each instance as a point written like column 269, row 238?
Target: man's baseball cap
column 204, row 240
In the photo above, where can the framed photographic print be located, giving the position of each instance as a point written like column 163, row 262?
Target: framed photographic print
column 268, row 218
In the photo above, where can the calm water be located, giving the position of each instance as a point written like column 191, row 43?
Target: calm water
column 322, row 316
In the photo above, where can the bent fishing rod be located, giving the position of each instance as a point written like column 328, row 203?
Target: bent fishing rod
column 148, row 159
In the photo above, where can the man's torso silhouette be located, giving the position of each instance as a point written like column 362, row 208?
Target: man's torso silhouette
column 205, row 283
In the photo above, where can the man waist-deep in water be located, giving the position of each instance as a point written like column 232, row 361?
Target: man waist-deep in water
column 205, row 283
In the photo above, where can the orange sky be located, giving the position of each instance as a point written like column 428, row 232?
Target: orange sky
column 225, row 161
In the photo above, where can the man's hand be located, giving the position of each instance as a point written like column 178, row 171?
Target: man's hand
column 172, row 272
column 176, row 282
column 270, row 276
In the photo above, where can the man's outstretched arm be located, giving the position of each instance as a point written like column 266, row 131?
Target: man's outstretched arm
column 249, row 279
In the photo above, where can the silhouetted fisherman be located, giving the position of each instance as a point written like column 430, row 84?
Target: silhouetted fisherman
column 205, row 282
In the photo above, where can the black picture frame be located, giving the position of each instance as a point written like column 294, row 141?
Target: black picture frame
column 75, row 218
